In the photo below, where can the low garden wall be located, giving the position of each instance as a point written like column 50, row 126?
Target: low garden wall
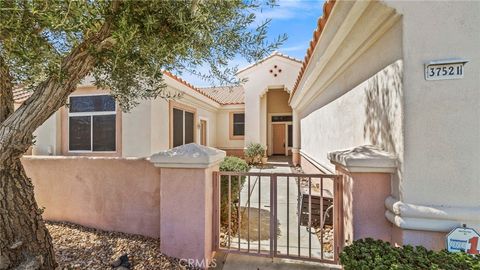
column 168, row 196
column 113, row 194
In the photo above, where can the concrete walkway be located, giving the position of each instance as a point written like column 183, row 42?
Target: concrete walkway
column 290, row 235
column 246, row 262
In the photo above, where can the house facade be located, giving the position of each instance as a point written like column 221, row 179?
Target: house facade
column 227, row 118
column 363, row 82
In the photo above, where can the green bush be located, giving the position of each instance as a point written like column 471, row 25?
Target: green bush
column 369, row 254
column 254, row 152
column 231, row 164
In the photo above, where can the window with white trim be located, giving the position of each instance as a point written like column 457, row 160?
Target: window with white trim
column 92, row 124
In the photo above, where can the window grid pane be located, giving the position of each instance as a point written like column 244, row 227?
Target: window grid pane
column 177, row 127
column 80, row 133
column 290, row 136
column 100, row 103
column 282, row 118
column 189, row 127
column 104, row 133
column 238, row 124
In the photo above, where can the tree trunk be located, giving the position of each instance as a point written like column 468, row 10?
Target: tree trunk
column 24, row 240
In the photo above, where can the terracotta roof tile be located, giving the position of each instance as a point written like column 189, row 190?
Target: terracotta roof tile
column 226, row 95
column 275, row 53
column 182, row 81
column 221, row 95
column 327, row 9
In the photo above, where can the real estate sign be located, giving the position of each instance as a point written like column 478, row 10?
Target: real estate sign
column 463, row 239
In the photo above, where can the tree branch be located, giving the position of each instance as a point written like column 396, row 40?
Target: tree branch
column 6, row 91
column 49, row 96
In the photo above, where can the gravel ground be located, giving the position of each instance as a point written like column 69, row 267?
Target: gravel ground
column 78, row 247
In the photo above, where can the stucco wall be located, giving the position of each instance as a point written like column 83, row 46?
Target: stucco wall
column 260, row 79
column 147, row 129
column 211, row 117
column 136, row 136
column 106, row 193
column 432, row 126
column 159, row 125
column 277, row 101
column 442, row 118
column 188, row 232
column 47, row 137
column 140, row 133
column 364, row 216
column 363, row 105
column 223, row 140
column 370, row 113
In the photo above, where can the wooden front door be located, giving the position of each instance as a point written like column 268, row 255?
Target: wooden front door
column 278, row 136
column 203, row 132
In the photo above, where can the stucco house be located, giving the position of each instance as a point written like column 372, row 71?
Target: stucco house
column 364, row 81
column 376, row 73
column 222, row 117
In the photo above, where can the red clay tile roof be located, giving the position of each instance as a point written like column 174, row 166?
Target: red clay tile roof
column 182, row 81
column 226, row 95
column 327, row 8
column 275, row 53
column 20, row 95
column 221, row 95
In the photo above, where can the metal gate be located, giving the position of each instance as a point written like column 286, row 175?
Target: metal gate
column 301, row 211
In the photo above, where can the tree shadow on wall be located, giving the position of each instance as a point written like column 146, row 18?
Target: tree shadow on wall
column 384, row 95
column 384, row 110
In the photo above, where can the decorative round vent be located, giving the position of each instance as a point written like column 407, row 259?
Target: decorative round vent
column 275, row 71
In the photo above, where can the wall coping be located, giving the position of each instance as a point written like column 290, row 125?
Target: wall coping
column 365, row 158
column 61, row 157
column 315, row 163
column 189, row 155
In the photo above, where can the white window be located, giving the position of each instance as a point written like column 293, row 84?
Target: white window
column 92, row 124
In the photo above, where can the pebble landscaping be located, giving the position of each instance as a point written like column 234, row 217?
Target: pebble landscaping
column 78, row 247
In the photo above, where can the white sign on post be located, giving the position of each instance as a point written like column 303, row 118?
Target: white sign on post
column 463, row 239
column 445, row 69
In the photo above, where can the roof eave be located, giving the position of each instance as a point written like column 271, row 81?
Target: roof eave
column 327, row 9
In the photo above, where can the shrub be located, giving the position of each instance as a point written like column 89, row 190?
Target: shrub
column 254, row 152
column 231, row 164
column 376, row 254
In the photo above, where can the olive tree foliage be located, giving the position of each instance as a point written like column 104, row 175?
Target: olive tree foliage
column 146, row 37
column 49, row 46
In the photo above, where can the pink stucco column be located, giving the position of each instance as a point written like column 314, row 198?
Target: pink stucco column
column 366, row 175
column 186, row 206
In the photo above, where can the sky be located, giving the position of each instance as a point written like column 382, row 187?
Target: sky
column 296, row 18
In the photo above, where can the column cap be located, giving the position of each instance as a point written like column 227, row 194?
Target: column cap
column 365, row 158
column 189, row 155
